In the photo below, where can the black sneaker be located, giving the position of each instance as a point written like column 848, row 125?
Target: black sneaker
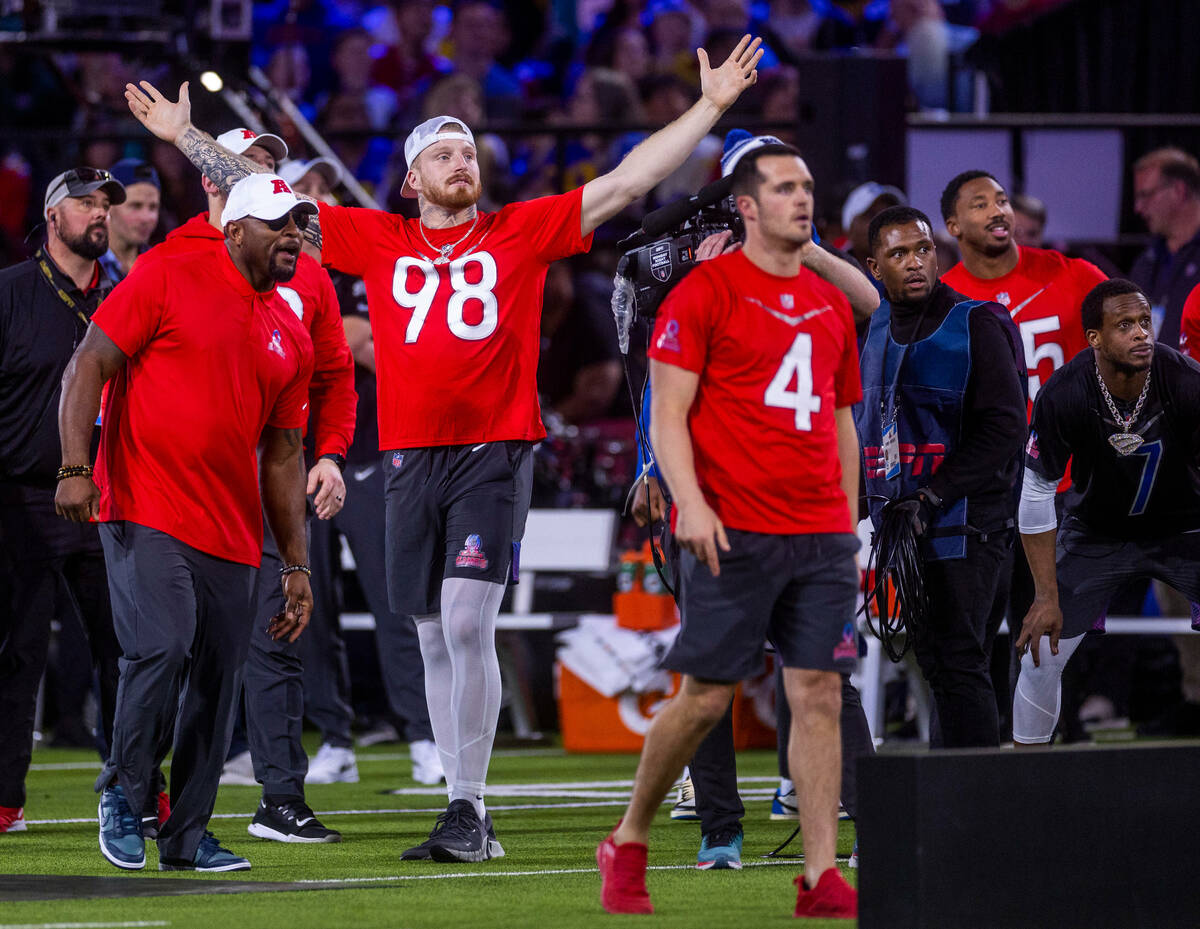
column 290, row 821
column 458, row 835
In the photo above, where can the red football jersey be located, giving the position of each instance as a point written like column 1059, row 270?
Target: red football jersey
column 777, row 356
column 312, row 298
column 1043, row 294
column 456, row 344
column 211, row 363
column 1189, row 325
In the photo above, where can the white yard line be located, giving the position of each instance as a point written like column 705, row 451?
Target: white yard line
column 135, row 925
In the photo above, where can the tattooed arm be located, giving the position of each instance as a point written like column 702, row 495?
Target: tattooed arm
column 172, row 122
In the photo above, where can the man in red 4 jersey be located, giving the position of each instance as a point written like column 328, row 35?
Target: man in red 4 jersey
column 1042, row 289
column 754, row 368
column 274, row 671
column 455, row 301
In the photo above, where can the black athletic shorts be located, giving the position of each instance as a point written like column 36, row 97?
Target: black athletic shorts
column 453, row 511
column 796, row 591
column 1092, row 568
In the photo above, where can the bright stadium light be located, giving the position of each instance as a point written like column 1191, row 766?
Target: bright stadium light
column 212, row 81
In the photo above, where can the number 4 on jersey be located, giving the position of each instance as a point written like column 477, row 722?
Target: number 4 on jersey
column 797, row 364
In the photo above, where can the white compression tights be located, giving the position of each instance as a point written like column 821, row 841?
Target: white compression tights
column 1038, row 697
column 462, row 682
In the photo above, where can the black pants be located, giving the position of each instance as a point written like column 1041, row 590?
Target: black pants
column 714, row 766
column 183, row 619
column 967, row 601
column 50, row 561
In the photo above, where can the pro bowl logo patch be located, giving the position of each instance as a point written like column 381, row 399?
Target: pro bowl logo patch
column 1031, row 447
column 848, row 647
column 397, row 459
column 669, row 340
column 472, row 555
column 276, row 344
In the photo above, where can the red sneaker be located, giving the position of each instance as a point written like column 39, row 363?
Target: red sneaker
column 164, row 807
column 831, row 898
column 623, row 877
column 12, row 819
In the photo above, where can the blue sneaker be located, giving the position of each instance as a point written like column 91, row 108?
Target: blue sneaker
column 210, row 856
column 783, row 806
column 721, row 850
column 121, row 839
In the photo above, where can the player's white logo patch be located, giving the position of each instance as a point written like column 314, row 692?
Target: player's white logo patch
column 1003, row 298
column 276, row 344
column 292, row 299
column 787, row 301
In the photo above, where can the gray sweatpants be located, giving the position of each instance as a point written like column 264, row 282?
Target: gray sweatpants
column 181, row 617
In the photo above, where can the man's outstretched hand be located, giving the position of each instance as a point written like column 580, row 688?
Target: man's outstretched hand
column 165, row 119
column 723, row 85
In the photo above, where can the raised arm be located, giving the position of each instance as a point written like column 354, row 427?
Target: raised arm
column 172, row 122
column 656, row 157
column 94, row 363
column 281, row 477
column 863, row 297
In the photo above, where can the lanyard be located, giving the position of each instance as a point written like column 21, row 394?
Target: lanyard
column 62, row 294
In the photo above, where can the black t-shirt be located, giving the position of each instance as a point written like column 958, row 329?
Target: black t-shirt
column 1150, row 493
column 352, row 301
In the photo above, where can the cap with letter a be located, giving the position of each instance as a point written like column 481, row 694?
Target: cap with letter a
column 425, row 135
column 263, row 196
column 239, row 139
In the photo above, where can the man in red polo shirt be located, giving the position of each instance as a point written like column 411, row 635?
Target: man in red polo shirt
column 754, row 366
column 204, row 368
column 274, row 679
column 455, row 302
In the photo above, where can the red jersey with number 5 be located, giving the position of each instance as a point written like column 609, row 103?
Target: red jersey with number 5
column 777, row 357
column 1043, row 294
column 456, row 343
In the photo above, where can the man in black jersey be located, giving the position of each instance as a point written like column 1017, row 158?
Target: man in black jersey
column 942, row 424
column 1127, row 414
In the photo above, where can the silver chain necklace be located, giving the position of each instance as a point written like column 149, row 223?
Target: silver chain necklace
column 1126, row 442
column 445, row 251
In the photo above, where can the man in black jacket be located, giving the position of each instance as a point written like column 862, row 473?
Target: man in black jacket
column 45, row 306
column 942, row 425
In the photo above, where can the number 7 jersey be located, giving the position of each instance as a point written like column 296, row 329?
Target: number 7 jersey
column 776, row 356
column 456, row 343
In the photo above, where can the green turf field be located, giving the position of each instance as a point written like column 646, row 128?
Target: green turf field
column 550, row 810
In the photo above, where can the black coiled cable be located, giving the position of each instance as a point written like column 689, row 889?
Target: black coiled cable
column 896, row 557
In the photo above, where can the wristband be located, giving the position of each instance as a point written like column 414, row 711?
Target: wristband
column 293, row 568
column 73, row 471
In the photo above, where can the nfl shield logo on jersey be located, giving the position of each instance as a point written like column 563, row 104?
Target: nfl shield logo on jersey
column 1003, row 298
column 787, row 301
column 276, row 344
column 472, row 555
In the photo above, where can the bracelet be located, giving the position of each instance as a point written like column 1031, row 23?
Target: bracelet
column 339, row 460
column 73, row 471
column 293, row 568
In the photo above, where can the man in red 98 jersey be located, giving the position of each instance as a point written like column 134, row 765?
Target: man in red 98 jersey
column 455, row 303
column 754, row 369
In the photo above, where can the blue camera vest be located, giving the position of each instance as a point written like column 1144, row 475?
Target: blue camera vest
column 922, row 386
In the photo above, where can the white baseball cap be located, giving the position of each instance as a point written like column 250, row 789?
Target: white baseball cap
column 862, row 196
column 292, row 171
column 425, row 135
column 263, row 196
column 240, row 139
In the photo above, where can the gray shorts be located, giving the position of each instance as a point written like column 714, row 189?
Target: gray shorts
column 795, row 591
column 1092, row 568
column 453, row 511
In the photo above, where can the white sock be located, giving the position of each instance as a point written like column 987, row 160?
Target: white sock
column 438, row 679
column 469, row 611
column 786, row 786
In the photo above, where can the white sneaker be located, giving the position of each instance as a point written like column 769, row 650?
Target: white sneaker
column 332, row 766
column 238, row 771
column 426, row 762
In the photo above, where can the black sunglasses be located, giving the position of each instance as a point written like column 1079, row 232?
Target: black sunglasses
column 280, row 223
